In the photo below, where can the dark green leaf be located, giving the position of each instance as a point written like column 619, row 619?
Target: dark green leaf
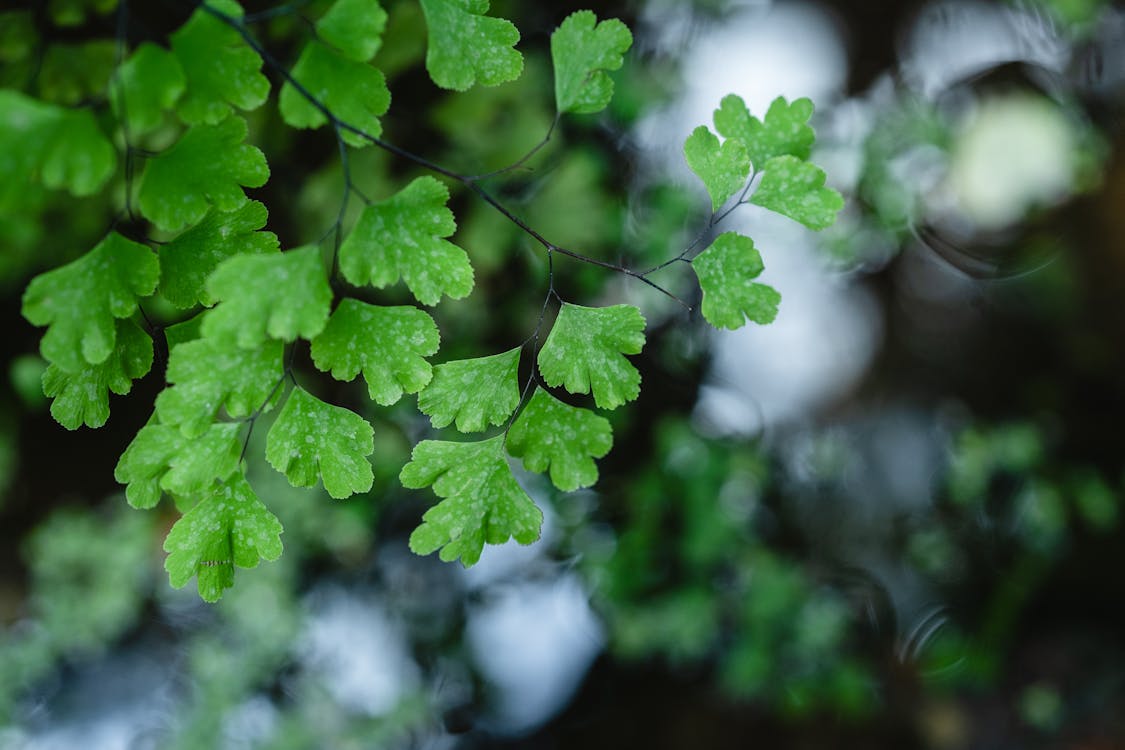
column 221, row 70
column 206, row 168
column 354, row 92
column 187, row 261
column 355, row 27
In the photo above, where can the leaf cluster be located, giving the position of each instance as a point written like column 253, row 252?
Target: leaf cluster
column 247, row 306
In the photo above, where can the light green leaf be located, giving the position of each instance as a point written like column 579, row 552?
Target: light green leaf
column 355, row 92
column 277, row 295
column 312, row 439
column 467, row 47
column 729, row 297
column 208, row 375
column 205, row 168
column 785, row 130
column 723, row 168
column 80, row 300
column 564, row 438
column 355, row 27
column 60, row 147
column 585, row 351
column 221, row 70
column 83, row 397
column 187, row 261
column 147, row 84
column 474, row 392
column 582, row 53
column 795, row 188
column 161, row 457
column 402, row 237
column 388, row 344
column 228, row 527
column 483, row 502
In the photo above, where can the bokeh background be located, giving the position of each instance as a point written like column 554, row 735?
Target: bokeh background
column 891, row 519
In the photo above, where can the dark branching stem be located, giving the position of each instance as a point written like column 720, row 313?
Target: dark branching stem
column 533, row 339
column 345, row 167
column 251, row 420
column 523, row 159
column 716, row 218
column 468, row 181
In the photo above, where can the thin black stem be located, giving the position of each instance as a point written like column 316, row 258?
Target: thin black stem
column 533, row 339
column 253, row 418
column 523, row 159
column 715, row 220
column 741, row 199
column 345, row 167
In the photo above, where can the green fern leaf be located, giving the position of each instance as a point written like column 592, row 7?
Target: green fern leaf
column 467, row 47
column 83, row 397
column 229, row 527
column 549, row 434
column 483, row 502
column 312, row 439
column 585, row 352
column 271, row 296
column 402, row 237
column 207, row 167
column 795, row 188
column 355, row 27
column 62, row 148
column 582, row 52
column 187, row 261
column 221, row 71
column 354, row 92
column 723, row 168
column 729, row 298
column 80, row 301
column 474, row 392
column 785, row 130
column 147, row 84
column 208, row 375
column 388, row 344
column 161, row 458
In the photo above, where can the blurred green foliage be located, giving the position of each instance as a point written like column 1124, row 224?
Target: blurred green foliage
column 683, row 555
